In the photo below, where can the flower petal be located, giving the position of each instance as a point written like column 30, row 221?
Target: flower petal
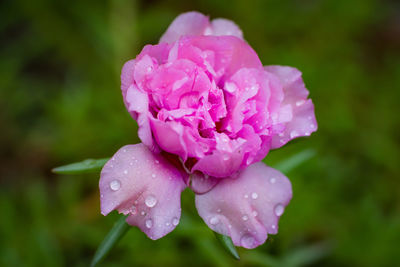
column 127, row 78
column 202, row 183
column 190, row 23
column 247, row 207
column 303, row 122
column 137, row 104
column 145, row 186
column 225, row 27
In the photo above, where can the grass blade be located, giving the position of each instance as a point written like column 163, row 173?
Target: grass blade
column 116, row 233
column 296, row 160
column 228, row 245
column 86, row 166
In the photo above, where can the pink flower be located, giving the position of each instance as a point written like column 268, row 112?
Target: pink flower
column 208, row 113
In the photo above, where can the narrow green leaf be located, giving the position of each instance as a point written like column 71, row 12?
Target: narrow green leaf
column 86, row 166
column 296, row 160
column 228, row 245
column 116, row 233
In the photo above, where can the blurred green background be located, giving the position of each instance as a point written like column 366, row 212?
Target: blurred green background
column 60, row 102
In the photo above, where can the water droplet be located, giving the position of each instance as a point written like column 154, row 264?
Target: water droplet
column 294, row 134
column 133, row 209
column 218, row 210
column 157, row 161
column 101, row 196
column 279, row 209
column 246, row 196
column 149, row 69
column 115, row 185
column 255, row 213
column 153, row 175
column 226, row 157
column 254, row 195
column 230, row 225
column 175, row 221
column 143, row 213
column 300, row 102
column 272, row 180
column 149, row 223
column 130, row 163
column 125, row 171
column 136, row 202
column 214, row 220
column 167, row 224
column 124, row 150
column 273, row 226
column 312, row 126
column 245, row 217
column 150, row 201
column 247, row 241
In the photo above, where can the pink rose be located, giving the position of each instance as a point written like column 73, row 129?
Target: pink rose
column 208, row 113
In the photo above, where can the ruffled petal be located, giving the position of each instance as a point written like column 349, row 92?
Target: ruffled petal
column 145, row 186
column 190, row 23
column 225, row 27
column 202, row 183
column 303, row 121
column 127, row 78
column 247, row 207
column 137, row 104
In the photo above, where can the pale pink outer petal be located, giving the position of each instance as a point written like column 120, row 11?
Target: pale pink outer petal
column 202, row 183
column 303, row 122
column 224, row 27
column 247, row 207
column 127, row 78
column 137, row 104
column 190, row 23
column 144, row 185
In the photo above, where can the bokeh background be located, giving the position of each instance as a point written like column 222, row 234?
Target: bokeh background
column 60, row 102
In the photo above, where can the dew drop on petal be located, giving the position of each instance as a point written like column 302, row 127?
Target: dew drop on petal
column 247, row 241
column 133, row 209
column 143, row 213
column 115, row 185
column 294, row 134
column 273, row 226
column 272, row 180
column 150, row 201
column 254, row 195
column 218, row 210
column 255, row 213
column 149, row 223
column 300, row 102
column 153, row 175
column 157, row 161
column 214, row 220
column 167, row 224
column 246, row 196
column 279, row 209
column 245, row 217
column 175, row 221
column 125, row 171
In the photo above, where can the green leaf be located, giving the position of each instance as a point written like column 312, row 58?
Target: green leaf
column 228, row 245
column 116, row 233
column 296, row 160
column 86, row 166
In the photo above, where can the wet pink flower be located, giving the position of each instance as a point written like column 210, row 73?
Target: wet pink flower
column 208, row 112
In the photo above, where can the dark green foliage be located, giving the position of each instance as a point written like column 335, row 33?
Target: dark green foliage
column 60, row 102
